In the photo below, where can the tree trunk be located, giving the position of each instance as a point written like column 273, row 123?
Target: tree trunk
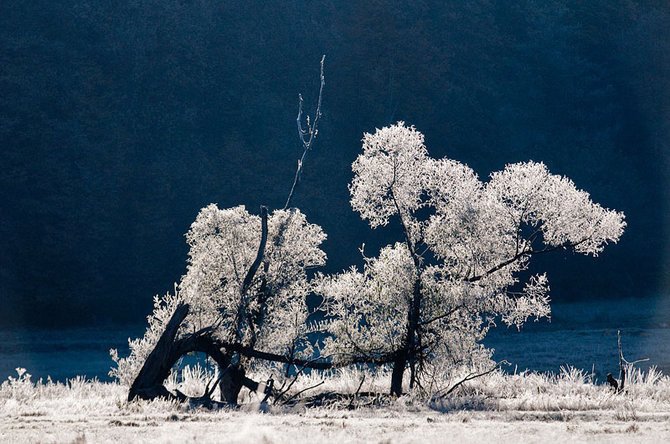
column 413, row 334
column 231, row 383
column 410, row 344
column 399, row 364
column 149, row 382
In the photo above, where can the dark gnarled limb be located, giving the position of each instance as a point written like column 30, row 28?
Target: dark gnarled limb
column 168, row 350
column 149, row 382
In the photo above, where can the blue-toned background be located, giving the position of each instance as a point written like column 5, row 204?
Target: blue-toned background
column 119, row 121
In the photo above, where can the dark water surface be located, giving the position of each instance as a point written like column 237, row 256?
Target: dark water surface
column 580, row 334
column 584, row 335
column 63, row 354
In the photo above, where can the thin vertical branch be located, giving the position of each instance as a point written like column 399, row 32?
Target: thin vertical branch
column 624, row 363
column 306, row 134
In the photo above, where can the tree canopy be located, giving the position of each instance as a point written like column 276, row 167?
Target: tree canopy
column 424, row 303
column 466, row 243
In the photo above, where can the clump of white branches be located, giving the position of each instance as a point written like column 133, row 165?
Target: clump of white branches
column 426, row 301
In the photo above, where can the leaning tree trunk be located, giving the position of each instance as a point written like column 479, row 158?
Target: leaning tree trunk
column 149, row 382
column 168, row 350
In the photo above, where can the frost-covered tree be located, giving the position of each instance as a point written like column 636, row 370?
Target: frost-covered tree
column 236, row 294
column 426, row 302
column 243, row 294
column 265, row 309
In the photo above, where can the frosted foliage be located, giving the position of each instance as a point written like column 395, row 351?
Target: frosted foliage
column 464, row 251
column 535, row 302
column 388, row 175
column 289, row 256
column 223, row 244
column 470, row 230
column 371, row 320
column 564, row 214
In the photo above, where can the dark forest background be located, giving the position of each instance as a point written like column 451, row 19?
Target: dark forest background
column 120, row 120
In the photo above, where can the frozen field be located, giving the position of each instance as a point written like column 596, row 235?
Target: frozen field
column 319, row 426
column 495, row 408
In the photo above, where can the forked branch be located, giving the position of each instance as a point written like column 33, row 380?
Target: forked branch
column 307, row 134
column 623, row 363
column 469, row 377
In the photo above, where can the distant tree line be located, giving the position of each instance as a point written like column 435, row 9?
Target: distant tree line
column 119, row 122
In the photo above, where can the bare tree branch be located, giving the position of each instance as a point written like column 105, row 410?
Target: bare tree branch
column 306, row 135
column 470, row 377
column 303, row 391
column 261, row 251
column 623, row 363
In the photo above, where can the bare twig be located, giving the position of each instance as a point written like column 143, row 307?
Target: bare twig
column 283, row 391
column 303, row 391
column 470, row 377
column 351, row 402
column 441, row 316
column 622, row 369
column 623, row 363
column 307, row 135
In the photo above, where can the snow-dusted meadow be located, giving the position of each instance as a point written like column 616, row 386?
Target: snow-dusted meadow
column 505, row 408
